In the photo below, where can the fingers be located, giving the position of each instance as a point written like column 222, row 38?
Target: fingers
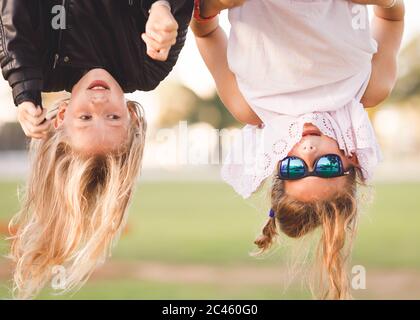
column 162, row 37
column 30, row 108
column 32, row 120
column 160, row 33
column 37, row 132
column 160, row 56
column 156, row 50
column 157, row 44
column 37, row 119
column 162, row 24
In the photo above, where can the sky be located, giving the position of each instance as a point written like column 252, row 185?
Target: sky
column 192, row 72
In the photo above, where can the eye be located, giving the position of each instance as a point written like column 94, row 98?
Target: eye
column 113, row 117
column 85, row 117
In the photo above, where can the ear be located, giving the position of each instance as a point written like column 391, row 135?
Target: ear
column 59, row 119
column 353, row 160
column 134, row 116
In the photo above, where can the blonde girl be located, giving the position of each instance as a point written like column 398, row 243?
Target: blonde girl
column 74, row 206
column 86, row 151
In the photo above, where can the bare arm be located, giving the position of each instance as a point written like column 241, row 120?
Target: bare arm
column 212, row 44
column 387, row 28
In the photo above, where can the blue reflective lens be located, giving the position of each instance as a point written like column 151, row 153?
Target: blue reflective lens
column 296, row 168
column 328, row 166
column 284, row 168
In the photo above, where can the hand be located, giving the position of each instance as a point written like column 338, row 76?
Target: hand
column 31, row 120
column 380, row 3
column 161, row 32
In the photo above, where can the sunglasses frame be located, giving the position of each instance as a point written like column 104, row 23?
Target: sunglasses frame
column 313, row 173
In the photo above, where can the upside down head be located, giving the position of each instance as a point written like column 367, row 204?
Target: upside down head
column 74, row 205
column 303, row 205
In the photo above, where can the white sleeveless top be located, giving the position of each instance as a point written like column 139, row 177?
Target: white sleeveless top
column 299, row 61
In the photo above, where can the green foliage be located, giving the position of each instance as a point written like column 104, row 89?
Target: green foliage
column 408, row 85
column 179, row 103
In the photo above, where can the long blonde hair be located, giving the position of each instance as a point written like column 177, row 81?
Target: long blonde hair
column 73, row 208
column 337, row 218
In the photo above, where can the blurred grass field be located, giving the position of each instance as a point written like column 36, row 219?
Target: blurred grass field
column 174, row 223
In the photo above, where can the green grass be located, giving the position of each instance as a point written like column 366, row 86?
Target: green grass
column 389, row 233
column 145, row 290
column 207, row 223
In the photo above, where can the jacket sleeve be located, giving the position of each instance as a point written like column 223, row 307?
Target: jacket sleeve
column 155, row 71
column 19, row 51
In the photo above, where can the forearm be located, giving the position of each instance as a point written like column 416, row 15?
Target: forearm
column 210, row 8
column 387, row 29
column 213, row 49
column 19, row 49
column 202, row 29
column 396, row 13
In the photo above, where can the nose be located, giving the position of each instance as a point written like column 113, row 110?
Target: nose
column 308, row 151
column 98, row 99
column 307, row 147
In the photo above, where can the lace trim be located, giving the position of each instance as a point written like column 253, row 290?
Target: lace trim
column 256, row 152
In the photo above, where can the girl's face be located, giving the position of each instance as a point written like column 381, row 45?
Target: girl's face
column 313, row 145
column 96, row 119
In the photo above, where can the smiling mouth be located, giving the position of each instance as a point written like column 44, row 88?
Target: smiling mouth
column 311, row 133
column 311, row 130
column 98, row 85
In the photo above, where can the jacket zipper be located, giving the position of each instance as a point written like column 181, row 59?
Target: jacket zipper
column 60, row 35
column 56, row 56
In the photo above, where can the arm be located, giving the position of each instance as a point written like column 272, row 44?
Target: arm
column 212, row 44
column 388, row 28
column 19, row 54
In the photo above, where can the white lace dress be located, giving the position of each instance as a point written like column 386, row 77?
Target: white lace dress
column 299, row 61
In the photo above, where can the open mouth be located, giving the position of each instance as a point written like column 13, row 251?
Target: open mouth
column 311, row 130
column 98, row 85
column 311, row 133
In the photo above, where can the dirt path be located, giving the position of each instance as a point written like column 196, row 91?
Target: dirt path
column 381, row 284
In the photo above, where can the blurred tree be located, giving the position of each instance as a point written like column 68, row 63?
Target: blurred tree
column 12, row 137
column 179, row 103
column 225, row 119
column 408, row 85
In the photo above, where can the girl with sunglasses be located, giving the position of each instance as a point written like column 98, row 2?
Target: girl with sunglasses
column 299, row 74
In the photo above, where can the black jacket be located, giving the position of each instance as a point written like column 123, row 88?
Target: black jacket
column 35, row 57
